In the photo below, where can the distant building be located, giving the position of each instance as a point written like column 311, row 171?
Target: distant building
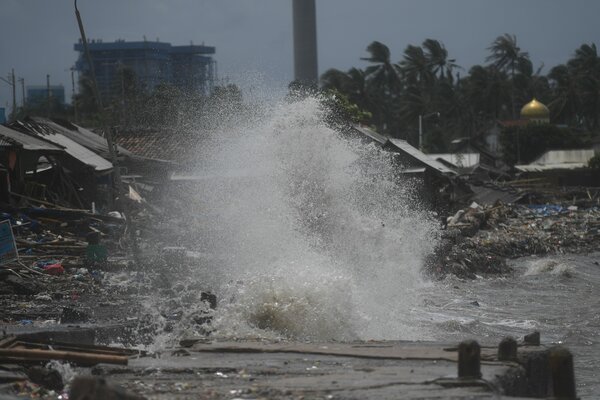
column 190, row 68
column 37, row 95
column 535, row 112
column 2, row 115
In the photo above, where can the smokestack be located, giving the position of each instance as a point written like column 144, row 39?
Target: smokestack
column 305, row 42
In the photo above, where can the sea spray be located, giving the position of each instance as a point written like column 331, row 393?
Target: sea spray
column 306, row 233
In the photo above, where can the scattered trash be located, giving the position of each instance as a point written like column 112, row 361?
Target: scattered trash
column 70, row 315
column 54, row 269
column 479, row 240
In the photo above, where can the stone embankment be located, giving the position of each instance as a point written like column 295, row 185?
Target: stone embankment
column 479, row 240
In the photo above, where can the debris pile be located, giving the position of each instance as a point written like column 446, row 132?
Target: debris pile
column 63, row 258
column 478, row 240
column 41, row 368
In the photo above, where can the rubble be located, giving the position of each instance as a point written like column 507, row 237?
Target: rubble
column 478, row 240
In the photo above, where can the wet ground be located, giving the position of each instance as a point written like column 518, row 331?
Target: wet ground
column 252, row 370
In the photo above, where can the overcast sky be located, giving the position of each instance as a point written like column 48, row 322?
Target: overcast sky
column 253, row 38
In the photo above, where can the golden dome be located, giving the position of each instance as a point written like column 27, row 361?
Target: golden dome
column 535, row 111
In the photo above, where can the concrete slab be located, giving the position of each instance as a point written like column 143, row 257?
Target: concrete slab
column 370, row 370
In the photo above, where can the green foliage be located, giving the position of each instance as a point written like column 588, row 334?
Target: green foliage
column 341, row 111
column 526, row 143
column 594, row 162
column 434, row 141
column 427, row 80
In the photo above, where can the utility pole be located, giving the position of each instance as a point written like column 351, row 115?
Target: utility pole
column 109, row 137
column 49, row 100
column 22, row 81
column 11, row 82
column 73, row 99
column 107, row 129
column 14, row 88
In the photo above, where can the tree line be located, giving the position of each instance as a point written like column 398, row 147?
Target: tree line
column 427, row 81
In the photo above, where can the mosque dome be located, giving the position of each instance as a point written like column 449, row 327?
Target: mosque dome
column 535, row 111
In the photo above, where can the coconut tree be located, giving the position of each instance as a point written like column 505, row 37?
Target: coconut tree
column 383, row 84
column 383, row 74
column 334, row 79
column 352, row 84
column 488, row 90
column 437, row 59
column 565, row 101
column 585, row 66
column 507, row 56
column 416, row 67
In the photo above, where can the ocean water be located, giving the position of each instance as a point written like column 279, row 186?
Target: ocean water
column 307, row 235
column 556, row 295
column 301, row 228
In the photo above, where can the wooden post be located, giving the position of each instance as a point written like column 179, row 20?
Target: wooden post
column 563, row 375
column 507, row 349
column 533, row 339
column 469, row 360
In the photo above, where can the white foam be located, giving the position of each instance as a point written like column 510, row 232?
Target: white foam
column 309, row 234
column 548, row 266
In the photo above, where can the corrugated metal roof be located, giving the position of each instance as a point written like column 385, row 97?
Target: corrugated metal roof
column 565, row 156
column 10, row 137
column 420, row 156
column 559, row 159
column 372, row 134
column 161, row 146
column 459, row 160
column 549, row 167
column 489, row 196
column 83, row 136
column 71, row 147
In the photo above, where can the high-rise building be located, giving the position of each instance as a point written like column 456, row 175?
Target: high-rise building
column 190, row 68
column 38, row 95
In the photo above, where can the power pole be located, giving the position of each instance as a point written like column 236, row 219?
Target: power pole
column 107, row 129
column 73, row 99
column 14, row 90
column 49, row 104
column 11, row 82
column 22, row 81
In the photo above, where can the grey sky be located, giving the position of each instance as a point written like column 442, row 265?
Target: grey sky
column 253, row 37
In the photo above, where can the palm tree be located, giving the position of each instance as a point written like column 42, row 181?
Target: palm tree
column 383, row 84
column 334, row 79
column 437, row 59
column 565, row 101
column 352, row 84
column 507, row 56
column 585, row 66
column 383, row 74
column 416, row 67
column 488, row 90
column 528, row 84
column 358, row 89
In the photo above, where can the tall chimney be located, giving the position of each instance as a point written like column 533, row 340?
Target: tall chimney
column 305, row 42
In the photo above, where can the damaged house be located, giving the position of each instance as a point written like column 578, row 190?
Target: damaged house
column 29, row 168
column 77, row 171
column 88, row 164
column 440, row 187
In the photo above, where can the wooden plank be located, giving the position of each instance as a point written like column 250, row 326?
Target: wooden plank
column 75, row 357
